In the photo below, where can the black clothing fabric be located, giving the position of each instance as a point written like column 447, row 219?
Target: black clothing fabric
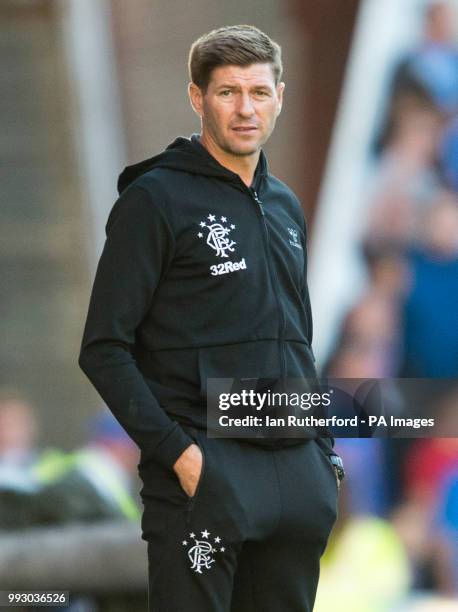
column 250, row 540
column 200, row 277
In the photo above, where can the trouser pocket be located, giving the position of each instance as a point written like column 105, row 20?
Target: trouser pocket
column 192, row 500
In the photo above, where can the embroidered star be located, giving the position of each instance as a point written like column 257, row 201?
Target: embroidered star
column 185, row 543
column 223, row 219
column 205, row 534
column 200, row 235
column 232, row 226
column 217, row 540
column 211, row 217
column 202, row 224
column 222, row 549
column 192, row 535
column 214, row 550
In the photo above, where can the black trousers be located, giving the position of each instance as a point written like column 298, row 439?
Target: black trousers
column 251, row 538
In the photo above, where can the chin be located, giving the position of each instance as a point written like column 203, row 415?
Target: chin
column 243, row 151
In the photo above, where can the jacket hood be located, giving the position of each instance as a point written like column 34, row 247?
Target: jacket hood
column 188, row 155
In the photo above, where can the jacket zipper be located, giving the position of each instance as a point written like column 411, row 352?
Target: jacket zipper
column 274, row 282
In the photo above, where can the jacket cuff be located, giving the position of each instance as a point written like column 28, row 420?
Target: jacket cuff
column 168, row 451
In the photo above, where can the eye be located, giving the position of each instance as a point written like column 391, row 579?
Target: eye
column 262, row 93
column 225, row 93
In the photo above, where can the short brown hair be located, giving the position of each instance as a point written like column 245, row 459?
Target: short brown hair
column 239, row 45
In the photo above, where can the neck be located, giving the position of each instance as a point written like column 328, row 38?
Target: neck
column 243, row 165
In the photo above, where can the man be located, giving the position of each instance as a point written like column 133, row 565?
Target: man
column 203, row 275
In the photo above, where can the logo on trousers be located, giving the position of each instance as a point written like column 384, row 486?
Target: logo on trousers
column 201, row 551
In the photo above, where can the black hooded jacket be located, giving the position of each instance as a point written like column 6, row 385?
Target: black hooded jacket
column 200, row 277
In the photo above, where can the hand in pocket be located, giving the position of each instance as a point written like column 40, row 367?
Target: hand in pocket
column 188, row 467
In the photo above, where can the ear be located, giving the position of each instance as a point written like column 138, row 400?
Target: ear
column 196, row 98
column 280, row 89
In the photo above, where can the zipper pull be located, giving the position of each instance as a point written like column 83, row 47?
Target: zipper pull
column 258, row 202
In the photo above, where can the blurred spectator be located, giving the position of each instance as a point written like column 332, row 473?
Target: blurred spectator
column 406, row 179
column 92, row 483
column 429, row 462
column 430, row 329
column 433, row 65
column 424, row 517
column 110, row 461
column 364, row 567
column 413, row 520
column 368, row 345
column 51, row 486
column 365, row 482
column 18, row 429
column 18, row 454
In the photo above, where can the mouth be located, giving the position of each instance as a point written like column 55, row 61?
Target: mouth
column 244, row 129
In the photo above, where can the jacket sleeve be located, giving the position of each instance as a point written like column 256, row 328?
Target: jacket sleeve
column 138, row 248
column 327, row 442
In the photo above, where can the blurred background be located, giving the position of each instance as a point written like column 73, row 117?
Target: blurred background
column 368, row 139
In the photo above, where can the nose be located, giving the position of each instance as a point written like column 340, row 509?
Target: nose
column 245, row 106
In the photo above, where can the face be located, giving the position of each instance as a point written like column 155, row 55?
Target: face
column 239, row 108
